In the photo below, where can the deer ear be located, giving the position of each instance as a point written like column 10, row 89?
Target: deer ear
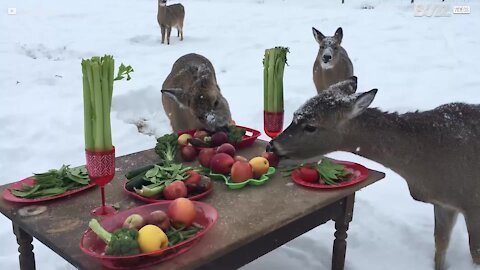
column 177, row 95
column 317, row 35
column 362, row 102
column 339, row 34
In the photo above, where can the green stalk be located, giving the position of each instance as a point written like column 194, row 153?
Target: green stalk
column 265, row 80
column 87, row 109
column 98, row 128
column 271, row 74
column 105, row 89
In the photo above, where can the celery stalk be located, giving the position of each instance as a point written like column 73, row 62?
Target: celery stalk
column 274, row 65
column 87, row 110
column 98, row 105
column 265, row 80
column 106, row 99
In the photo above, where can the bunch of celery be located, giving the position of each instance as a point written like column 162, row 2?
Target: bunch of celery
column 98, row 80
column 273, row 66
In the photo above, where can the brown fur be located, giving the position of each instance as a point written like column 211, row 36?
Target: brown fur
column 436, row 152
column 168, row 17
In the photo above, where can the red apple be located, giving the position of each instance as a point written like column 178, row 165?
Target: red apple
column 309, row 174
column 182, row 212
column 175, row 190
column 241, row 171
column 219, row 138
column 188, row 153
column 192, row 181
column 205, row 156
column 221, row 163
column 240, row 158
column 200, row 134
column 272, row 158
column 227, row 149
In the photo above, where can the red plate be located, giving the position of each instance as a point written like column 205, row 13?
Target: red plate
column 361, row 171
column 7, row 194
column 248, row 139
column 193, row 198
column 93, row 246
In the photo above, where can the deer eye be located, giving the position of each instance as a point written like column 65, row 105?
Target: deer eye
column 322, row 47
column 310, row 128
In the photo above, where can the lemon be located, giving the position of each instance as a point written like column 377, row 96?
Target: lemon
column 259, row 165
column 151, row 238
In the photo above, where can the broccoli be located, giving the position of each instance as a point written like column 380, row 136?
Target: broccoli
column 121, row 242
column 166, row 147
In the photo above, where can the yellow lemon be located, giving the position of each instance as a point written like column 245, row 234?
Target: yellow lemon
column 259, row 165
column 151, row 238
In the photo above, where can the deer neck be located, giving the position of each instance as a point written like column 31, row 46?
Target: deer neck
column 162, row 13
column 383, row 137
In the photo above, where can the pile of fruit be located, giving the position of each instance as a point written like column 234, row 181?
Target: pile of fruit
column 167, row 182
column 157, row 230
column 203, row 138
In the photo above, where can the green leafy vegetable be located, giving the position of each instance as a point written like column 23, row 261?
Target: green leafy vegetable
column 121, row 242
column 273, row 68
column 97, row 99
column 166, row 147
column 235, row 134
column 329, row 172
column 54, row 182
column 161, row 176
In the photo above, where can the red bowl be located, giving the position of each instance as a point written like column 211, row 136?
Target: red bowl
column 360, row 174
column 148, row 200
column 248, row 139
column 93, row 246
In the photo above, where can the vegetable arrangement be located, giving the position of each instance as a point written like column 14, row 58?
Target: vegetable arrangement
column 273, row 68
column 98, row 80
column 202, row 138
column 324, row 171
column 54, row 182
column 166, row 147
column 154, row 231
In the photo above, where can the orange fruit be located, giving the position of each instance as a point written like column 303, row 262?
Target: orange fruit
column 259, row 165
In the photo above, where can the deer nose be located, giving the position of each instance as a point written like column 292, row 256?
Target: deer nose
column 326, row 58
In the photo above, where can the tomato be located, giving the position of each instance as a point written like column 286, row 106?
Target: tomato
column 309, row 174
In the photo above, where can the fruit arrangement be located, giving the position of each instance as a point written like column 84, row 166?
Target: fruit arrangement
column 167, row 182
column 150, row 233
column 324, row 172
column 203, row 138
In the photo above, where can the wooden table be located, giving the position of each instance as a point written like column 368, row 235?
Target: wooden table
column 252, row 221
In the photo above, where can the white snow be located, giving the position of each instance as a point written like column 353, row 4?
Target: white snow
column 415, row 62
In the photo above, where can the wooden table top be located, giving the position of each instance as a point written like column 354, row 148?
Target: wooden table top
column 244, row 214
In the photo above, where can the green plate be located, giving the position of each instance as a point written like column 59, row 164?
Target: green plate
column 232, row 185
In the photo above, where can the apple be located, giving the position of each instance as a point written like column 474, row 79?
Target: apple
column 240, row 158
column 221, row 163
column 134, row 221
column 309, row 174
column 181, row 212
column 227, row 149
column 219, row 138
column 175, row 190
column 188, row 153
column 192, row 181
column 159, row 218
column 183, row 139
column 200, row 134
column 205, row 156
column 272, row 158
column 241, row 171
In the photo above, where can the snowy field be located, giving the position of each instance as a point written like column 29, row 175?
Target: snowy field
column 416, row 63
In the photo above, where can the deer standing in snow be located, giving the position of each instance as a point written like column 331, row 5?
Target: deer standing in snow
column 191, row 97
column 168, row 17
column 436, row 152
column 332, row 64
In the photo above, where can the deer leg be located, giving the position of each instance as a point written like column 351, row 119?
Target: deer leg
column 163, row 33
column 181, row 33
column 472, row 218
column 169, row 31
column 444, row 221
column 178, row 32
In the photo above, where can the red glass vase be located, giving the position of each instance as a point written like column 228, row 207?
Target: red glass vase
column 273, row 123
column 101, row 170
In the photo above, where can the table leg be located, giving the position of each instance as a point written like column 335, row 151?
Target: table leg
column 25, row 248
column 341, row 226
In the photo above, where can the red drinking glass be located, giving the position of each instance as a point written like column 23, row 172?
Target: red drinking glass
column 101, row 170
column 273, row 123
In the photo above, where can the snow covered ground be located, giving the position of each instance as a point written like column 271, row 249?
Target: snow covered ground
column 415, row 62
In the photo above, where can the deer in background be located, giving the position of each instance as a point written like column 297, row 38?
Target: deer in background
column 168, row 17
column 332, row 64
column 436, row 151
column 191, row 97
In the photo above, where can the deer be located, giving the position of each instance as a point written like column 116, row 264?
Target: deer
column 332, row 64
column 435, row 151
column 192, row 98
column 168, row 17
